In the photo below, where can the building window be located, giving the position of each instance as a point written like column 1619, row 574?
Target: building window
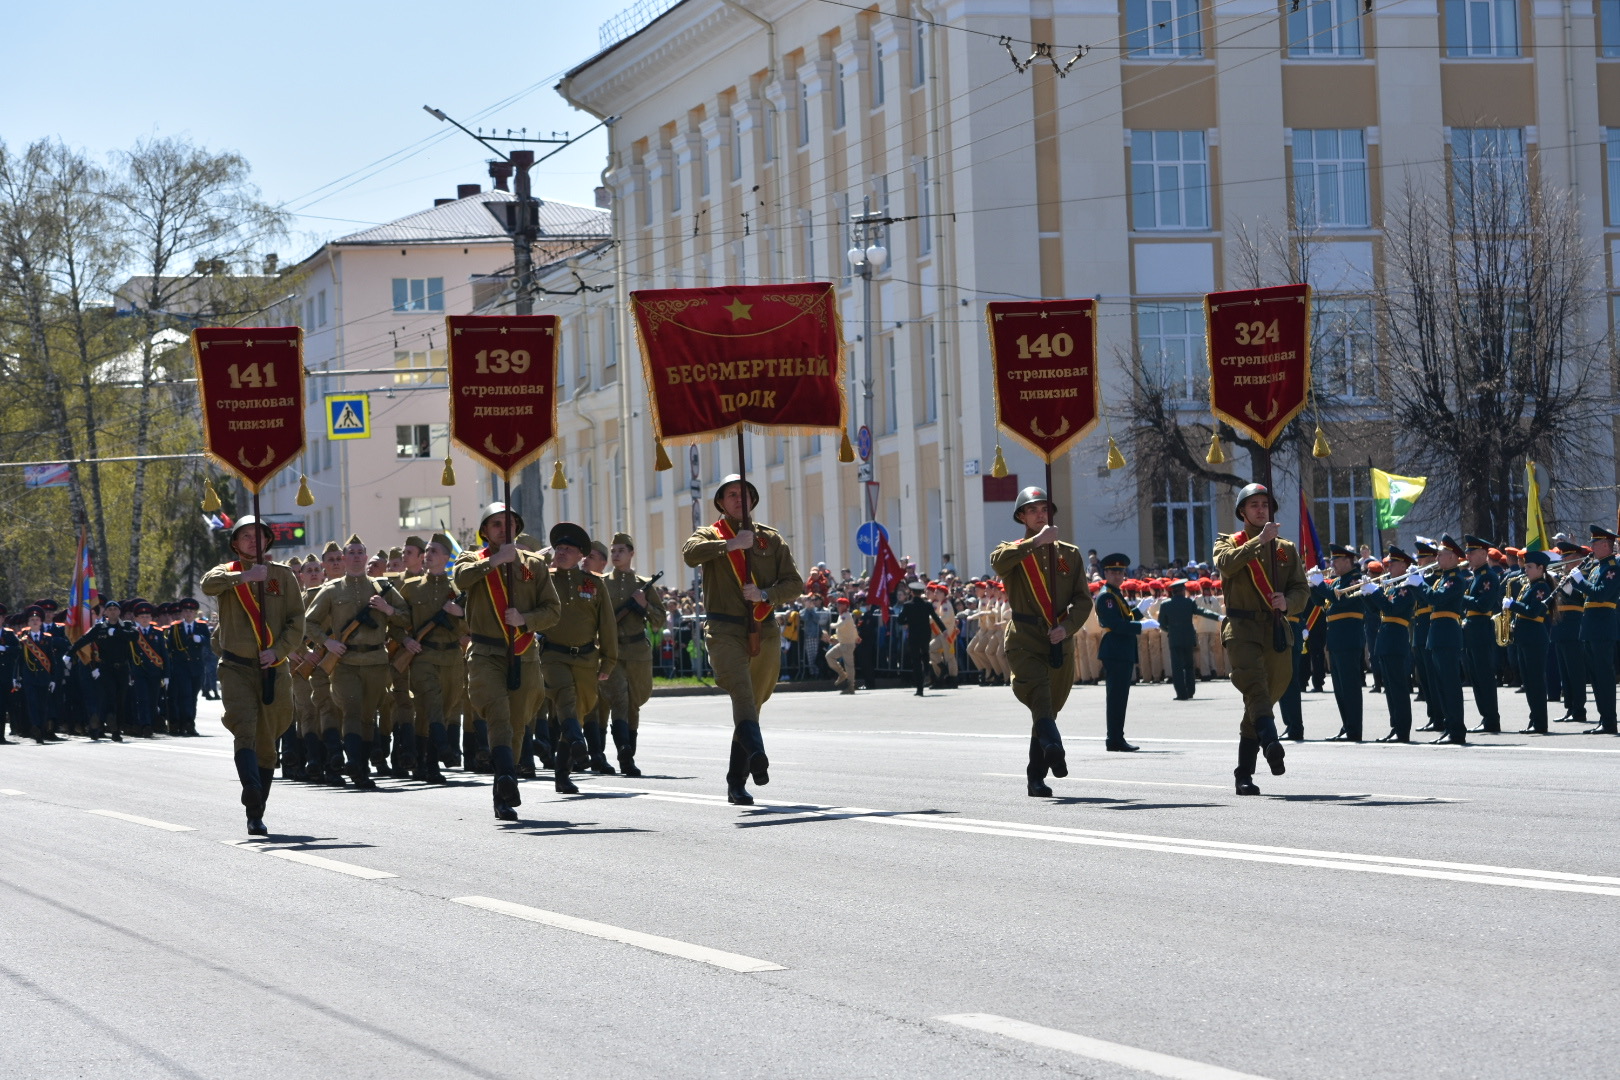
column 419, row 294
column 1342, row 353
column 925, row 209
column 1163, row 28
column 703, row 169
column 877, row 74
column 410, row 368
column 1325, row 28
column 320, row 308
column 675, row 188
column 919, row 57
column 1330, row 178
column 840, row 98
column 1170, row 341
column 736, row 148
column 1343, row 509
column 1182, row 524
column 1609, row 15
column 807, row 243
column 891, row 389
column 1488, row 164
column 1611, row 140
column 414, row 441
column 1169, row 180
column 423, row 515
column 804, row 114
column 930, row 377
column 1482, row 27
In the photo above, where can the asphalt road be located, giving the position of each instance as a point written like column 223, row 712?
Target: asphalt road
column 895, row 906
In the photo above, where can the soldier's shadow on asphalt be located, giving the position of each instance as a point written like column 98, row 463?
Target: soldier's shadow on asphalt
column 643, row 776
column 804, row 815
column 1128, row 804
column 564, row 828
column 281, row 841
column 1357, row 800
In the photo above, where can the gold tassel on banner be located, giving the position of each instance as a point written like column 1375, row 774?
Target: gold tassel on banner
column 448, row 477
column 846, row 452
column 1216, row 455
column 304, row 497
column 559, row 482
column 1320, row 448
column 999, row 468
column 210, row 503
column 661, row 462
column 1116, row 460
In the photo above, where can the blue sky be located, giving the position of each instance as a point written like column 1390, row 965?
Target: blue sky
column 309, row 93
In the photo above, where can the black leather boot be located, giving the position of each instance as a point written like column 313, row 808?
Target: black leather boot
column 1036, row 771
column 427, row 766
column 253, row 793
column 1248, row 756
column 748, row 734
column 560, row 767
column 355, row 750
column 333, row 740
column 443, row 750
column 1046, row 733
column 525, row 757
column 506, row 782
column 597, row 742
column 737, row 774
column 625, row 740
column 403, row 758
column 480, row 762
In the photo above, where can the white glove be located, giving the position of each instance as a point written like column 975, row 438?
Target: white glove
column 1415, row 578
column 1143, row 604
column 1569, row 588
column 1507, row 603
column 1315, row 578
column 1368, row 588
column 1150, row 624
column 163, row 683
column 96, row 674
column 1304, row 634
column 53, row 688
column 1577, row 576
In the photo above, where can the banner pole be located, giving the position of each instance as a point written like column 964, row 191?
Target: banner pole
column 514, row 666
column 1054, row 652
column 267, row 676
column 747, row 526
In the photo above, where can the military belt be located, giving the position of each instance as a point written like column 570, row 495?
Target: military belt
column 246, row 661
column 485, row 639
column 1476, row 614
column 738, row 619
column 1344, row 615
column 1527, row 618
column 1446, row 615
column 1030, row 620
column 1396, row 620
column 1599, row 603
column 438, row 646
column 1570, row 607
column 361, row 648
column 1241, row 613
column 570, row 650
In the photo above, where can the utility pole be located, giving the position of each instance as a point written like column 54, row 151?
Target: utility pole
column 866, row 256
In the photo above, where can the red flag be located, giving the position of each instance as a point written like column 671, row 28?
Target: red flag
column 886, row 575
column 1310, row 548
column 82, row 595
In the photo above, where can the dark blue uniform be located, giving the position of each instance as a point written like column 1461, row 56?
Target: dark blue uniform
column 10, row 705
column 39, row 666
column 1345, row 645
column 1531, row 602
column 1392, row 654
column 146, row 672
column 1600, row 628
column 1445, row 598
column 1481, row 600
column 187, row 644
column 1176, row 620
column 1564, row 628
column 1121, row 625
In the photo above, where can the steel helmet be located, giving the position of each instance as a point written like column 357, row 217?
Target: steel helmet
column 264, row 529
column 735, row 478
column 1250, row 492
column 1032, row 495
column 495, row 508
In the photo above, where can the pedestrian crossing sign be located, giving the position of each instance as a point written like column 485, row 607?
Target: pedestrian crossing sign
column 348, row 416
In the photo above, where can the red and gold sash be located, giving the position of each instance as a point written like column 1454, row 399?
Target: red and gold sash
column 1038, row 586
column 519, row 643
column 739, row 566
column 1262, row 581
column 150, row 653
column 250, row 604
column 36, row 655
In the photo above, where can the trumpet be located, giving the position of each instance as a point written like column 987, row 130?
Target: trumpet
column 1384, row 581
column 1580, row 561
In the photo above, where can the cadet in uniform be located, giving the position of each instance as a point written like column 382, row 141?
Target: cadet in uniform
column 330, row 720
column 504, row 681
column 148, row 661
column 1122, row 627
column 1444, row 595
column 1421, row 667
column 1346, row 637
column 1048, row 610
column 746, row 573
column 1481, row 600
column 1264, row 582
column 637, row 608
column 435, row 641
column 1530, row 608
column 595, row 719
column 403, row 563
column 581, row 648
column 1565, row 631
column 1176, row 619
column 1599, row 586
column 1392, row 649
column 39, row 667
column 357, row 614
column 188, row 640
column 254, row 641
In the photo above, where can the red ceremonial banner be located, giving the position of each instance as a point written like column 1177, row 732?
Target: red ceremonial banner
column 1044, row 355
column 767, row 357
column 503, row 387
column 1259, row 357
column 250, row 381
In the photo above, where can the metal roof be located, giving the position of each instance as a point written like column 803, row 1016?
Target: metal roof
column 468, row 220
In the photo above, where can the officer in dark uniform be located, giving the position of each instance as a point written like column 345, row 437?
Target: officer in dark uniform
column 1564, row 629
column 1444, row 594
column 1481, row 600
column 1530, row 608
column 866, row 649
column 1425, row 551
column 1176, row 619
column 148, row 661
column 915, row 615
column 1288, row 706
column 1345, row 636
column 1392, row 651
column 1122, row 627
column 1599, row 586
column 187, row 641
column 39, row 667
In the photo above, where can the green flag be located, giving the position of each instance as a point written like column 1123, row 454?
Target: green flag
column 1394, row 496
column 1535, row 526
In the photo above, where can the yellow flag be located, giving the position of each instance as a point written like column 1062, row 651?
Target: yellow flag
column 1535, row 526
column 1393, row 496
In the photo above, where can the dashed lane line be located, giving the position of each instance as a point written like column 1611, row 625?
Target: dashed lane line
column 651, row 942
column 1147, row 1061
column 1224, row 787
column 309, row 859
column 11, row 791
column 151, row 823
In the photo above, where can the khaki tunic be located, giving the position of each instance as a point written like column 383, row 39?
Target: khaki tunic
column 1260, row 673
column 630, row 684
column 748, row 680
column 254, row 725
column 399, row 682
column 1041, row 687
column 438, row 672
column 360, row 681
column 586, row 623
column 533, row 595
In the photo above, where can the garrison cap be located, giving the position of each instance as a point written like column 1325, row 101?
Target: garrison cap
column 1601, row 533
column 443, row 541
column 600, row 548
column 353, row 541
column 527, row 541
column 416, row 542
column 1396, row 553
column 1537, row 558
column 331, row 546
column 396, row 553
column 1477, row 543
column 1341, row 552
column 1116, row 561
column 572, row 535
column 1449, row 543
column 624, row 538
column 295, row 564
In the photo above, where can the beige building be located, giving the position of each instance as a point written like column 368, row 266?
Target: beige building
column 372, row 305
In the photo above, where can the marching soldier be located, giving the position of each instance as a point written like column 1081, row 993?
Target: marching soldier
column 842, row 639
column 1122, row 627
column 1176, row 616
column 357, row 613
column 1530, row 607
column 329, row 718
column 595, row 719
column 1421, row 667
column 747, row 571
column 1392, row 649
column 403, row 563
column 37, row 672
column 581, row 648
column 253, row 640
column 1600, row 590
column 296, row 760
column 187, row 639
column 504, row 680
column 435, row 673
column 1346, row 637
column 1050, row 602
column 637, row 608
column 915, row 615
column 148, row 660
column 1481, row 600
column 306, row 704
column 1445, row 596
column 1264, row 582
column 8, row 673
column 1565, row 632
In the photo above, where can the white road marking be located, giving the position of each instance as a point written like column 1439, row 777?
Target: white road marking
column 309, row 859
column 151, row 823
column 1474, row 744
column 1147, row 1061
column 1474, row 873
column 653, row 943
column 203, row 751
column 1223, row 787
column 11, row 791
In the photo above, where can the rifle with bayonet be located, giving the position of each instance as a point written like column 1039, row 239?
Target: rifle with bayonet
column 403, row 658
column 328, row 662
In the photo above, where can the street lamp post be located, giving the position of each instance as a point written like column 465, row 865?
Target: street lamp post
column 867, row 255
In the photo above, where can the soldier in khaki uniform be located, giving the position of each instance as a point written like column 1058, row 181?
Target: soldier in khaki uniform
column 398, row 715
column 435, row 641
column 582, row 647
column 747, row 572
column 253, row 638
column 636, row 609
column 502, row 623
column 1264, row 583
column 328, row 719
column 594, row 721
column 293, row 755
column 374, row 609
column 307, row 708
column 1050, row 602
